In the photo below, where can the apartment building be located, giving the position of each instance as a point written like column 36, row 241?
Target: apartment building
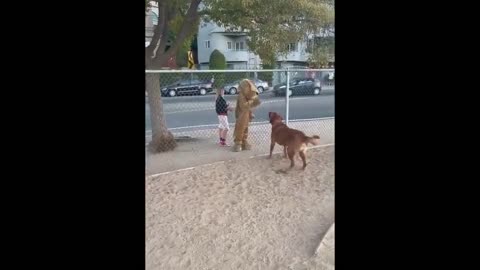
column 233, row 45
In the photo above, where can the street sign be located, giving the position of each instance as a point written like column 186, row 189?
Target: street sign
column 191, row 63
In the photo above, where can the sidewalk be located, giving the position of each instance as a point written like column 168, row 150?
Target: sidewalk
column 202, row 146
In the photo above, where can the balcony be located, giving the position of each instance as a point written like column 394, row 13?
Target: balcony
column 295, row 56
column 234, row 56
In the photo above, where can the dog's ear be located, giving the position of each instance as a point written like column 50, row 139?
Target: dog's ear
column 270, row 116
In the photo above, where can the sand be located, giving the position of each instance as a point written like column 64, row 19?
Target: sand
column 242, row 215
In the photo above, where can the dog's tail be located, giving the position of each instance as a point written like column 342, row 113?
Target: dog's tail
column 315, row 140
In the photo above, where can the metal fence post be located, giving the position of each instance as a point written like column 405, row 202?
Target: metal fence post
column 287, row 97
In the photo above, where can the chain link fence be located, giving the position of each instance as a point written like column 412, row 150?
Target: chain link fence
column 187, row 122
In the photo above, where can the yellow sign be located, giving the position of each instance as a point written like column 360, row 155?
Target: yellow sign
column 191, row 63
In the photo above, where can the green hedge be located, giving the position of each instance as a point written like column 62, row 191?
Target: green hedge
column 266, row 76
column 218, row 62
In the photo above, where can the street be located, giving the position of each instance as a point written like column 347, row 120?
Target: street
column 192, row 111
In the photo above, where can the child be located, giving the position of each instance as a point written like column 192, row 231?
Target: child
column 222, row 108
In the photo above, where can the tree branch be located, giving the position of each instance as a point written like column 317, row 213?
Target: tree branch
column 172, row 13
column 204, row 13
column 157, row 31
column 164, row 40
column 186, row 29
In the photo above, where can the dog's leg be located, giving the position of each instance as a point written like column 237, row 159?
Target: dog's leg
column 304, row 159
column 291, row 155
column 272, row 145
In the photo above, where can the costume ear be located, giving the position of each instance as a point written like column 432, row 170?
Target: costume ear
column 244, row 84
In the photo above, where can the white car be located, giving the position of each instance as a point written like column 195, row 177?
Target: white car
column 232, row 88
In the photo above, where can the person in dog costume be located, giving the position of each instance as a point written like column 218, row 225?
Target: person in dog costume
column 247, row 100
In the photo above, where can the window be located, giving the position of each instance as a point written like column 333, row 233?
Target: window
column 229, row 45
column 331, row 75
column 196, row 81
column 239, row 46
column 310, row 45
column 292, row 47
column 207, row 44
column 323, row 42
column 154, row 18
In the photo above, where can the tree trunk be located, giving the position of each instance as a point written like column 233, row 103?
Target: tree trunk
column 156, row 57
column 162, row 138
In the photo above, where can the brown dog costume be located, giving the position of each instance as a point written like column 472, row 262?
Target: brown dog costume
column 247, row 99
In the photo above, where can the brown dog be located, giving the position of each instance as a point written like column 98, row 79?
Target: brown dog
column 293, row 141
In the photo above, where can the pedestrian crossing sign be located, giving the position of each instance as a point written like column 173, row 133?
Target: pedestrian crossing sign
column 191, row 63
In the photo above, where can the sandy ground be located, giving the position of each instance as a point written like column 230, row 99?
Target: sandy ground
column 242, row 215
column 325, row 255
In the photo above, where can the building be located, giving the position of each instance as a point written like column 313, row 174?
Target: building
column 233, row 45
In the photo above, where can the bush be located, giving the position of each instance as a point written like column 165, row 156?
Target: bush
column 266, row 76
column 218, row 62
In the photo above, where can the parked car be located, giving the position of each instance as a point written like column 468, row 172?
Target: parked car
column 299, row 86
column 232, row 88
column 183, row 87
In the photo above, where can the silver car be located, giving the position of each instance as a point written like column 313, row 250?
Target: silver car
column 232, row 88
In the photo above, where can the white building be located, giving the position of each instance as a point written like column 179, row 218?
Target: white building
column 233, row 46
